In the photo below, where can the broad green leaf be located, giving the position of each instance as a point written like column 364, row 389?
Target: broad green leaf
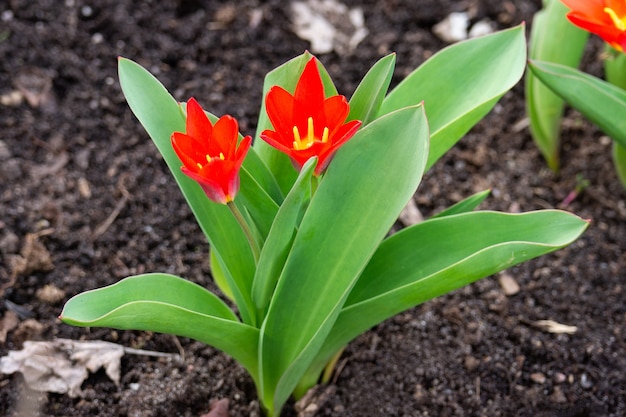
column 160, row 115
column 553, row 38
column 437, row 256
column 460, row 84
column 286, row 76
column 368, row 96
column 219, row 277
column 356, row 203
column 166, row 304
column 615, row 67
column 619, row 159
column 262, row 175
column 279, row 241
column 602, row 103
column 257, row 202
column 463, row 206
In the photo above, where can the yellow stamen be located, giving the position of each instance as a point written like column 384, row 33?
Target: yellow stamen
column 209, row 158
column 301, row 144
column 199, row 165
column 310, row 132
column 619, row 22
column 296, row 136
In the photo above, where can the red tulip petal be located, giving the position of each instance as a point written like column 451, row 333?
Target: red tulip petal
column 309, row 94
column 211, row 188
column 279, row 105
column 336, row 109
column 184, row 147
column 618, row 6
column 242, row 151
column 225, row 133
column 198, row 124
column 608, row 33
column 277, row 141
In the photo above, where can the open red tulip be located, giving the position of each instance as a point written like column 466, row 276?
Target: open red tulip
column 307, row 123
column 605, row 18
column 210, row 153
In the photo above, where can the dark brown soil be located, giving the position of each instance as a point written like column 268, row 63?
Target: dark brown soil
column 75, row 156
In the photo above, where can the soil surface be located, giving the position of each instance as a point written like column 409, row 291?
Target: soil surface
column 86, row 200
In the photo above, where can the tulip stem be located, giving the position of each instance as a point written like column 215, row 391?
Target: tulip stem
column 246, row 229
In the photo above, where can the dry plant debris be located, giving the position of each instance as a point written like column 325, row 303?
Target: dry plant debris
column 62, row 365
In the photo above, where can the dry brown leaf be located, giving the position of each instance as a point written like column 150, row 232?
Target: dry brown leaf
column 219, row 408
column 552, row 326
column 34, row 256
column 62, row 365
column 9, row 322
column 328, row 25
column 508, row 284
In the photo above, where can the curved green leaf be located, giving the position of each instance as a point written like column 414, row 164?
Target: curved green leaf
column 257, row 202
column 615, row 67
column 553, row 38
column 437, row 256
column 602, row 103
column 160, row 115
column 619, row 159
column 368, row 96
column 166, row 304
column 463, row 206
column 356, row 203
column 460, row 84
column 279, row 241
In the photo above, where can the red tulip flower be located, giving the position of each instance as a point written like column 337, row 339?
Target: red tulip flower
column 307, row 123
column 210, row 154
column 605, row 18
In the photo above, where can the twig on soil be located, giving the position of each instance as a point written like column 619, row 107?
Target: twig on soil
column 181, row 350
column 133, row 351
column 103, row 227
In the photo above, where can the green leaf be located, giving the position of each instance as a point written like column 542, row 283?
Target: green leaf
column 437, row 256
column 257, row 202
column 286, row 76
column 463, row 206
column 553, row 38
column 460, row 84
column 219, row 277
column 280, row 239
column 619, row 159
column 356, row 203
column 368, row 96
column 166, row 304
column 602, row 103
column 160, row 115
column 615, row 67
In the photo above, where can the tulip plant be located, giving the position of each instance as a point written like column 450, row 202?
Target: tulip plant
column 298, row 222
column 559, row 34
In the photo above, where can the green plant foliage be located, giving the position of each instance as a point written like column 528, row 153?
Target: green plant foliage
column 324, row 270
column 368, row 96
column 460, row 84
column 160, row 115
column 554, row 39
column 598, row 100
column 278, row 244
column 463, row 206
column 399, row 139
column 437, row 256
column 167, row 304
